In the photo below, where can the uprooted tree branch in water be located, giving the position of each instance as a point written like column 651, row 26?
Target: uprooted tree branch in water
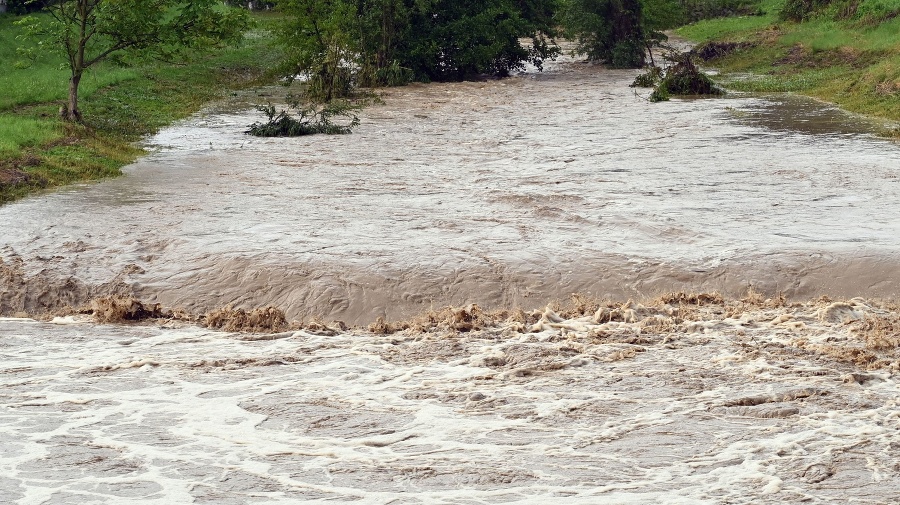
column 309, row 120
column 681, row 78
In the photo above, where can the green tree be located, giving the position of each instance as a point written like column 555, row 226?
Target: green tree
column 608, row 31
column 448, row 40
column 619, row 32
column 320, row 46
column 19, row 7
column 87, row 32
column 337, row 45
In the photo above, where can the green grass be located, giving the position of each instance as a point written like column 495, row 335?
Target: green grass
column 877, row 9
column 733, row 28
column 819, row 36
column 44, row 80
column 851, row 60
column 119, row 105
column 18, row 132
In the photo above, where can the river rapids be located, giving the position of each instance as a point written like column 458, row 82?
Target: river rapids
column 778, row 383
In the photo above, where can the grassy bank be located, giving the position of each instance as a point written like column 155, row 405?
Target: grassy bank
column 847, row 53
column 120, row 104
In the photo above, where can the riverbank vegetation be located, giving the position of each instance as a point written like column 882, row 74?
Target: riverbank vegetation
column 121, row 102
column 88, row 32
column 681, row 76
column 339, row 46
column 842, row 51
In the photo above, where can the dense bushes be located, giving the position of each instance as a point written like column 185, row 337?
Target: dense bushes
column 19, row 7
column 454, row 40
column 607, row 30
column 619, row 32
column 338, row 45
column 695, row 10
column 798, row 10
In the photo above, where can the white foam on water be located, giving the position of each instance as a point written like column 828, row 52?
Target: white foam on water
column 123, row 414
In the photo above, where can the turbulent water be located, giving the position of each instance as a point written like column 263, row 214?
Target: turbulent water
column 735, row 404
column 507, row 194
column 503, row 193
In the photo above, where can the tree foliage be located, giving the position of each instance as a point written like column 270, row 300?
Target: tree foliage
column 87, row 32
column 19, row 7
column 619, row 32
column 452, row 40
column 339, row 45
column 608, row 31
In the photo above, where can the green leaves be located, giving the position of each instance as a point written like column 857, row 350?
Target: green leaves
column 87, row 32
column 619, row 32
column 454, row 40
column 309, row 120
column 29, row 52
column 609, row 31
column 338, row 45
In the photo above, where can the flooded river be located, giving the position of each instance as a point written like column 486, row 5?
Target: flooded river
column 504, row 193
column 507, row 194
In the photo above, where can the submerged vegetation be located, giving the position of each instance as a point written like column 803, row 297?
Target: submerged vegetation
column 309, row 120
column 680, row 77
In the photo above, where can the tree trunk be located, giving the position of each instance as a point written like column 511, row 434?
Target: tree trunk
column 72, row 113
column 388, row 26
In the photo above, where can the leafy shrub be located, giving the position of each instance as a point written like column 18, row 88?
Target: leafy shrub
column 451, row 40
column 648, row 79
column 868, row 12
column 659, row 95
column 310, row 119
column 19, row 7
column 608, row 31
column 682, row 77
column 695, row 10
column 339, row 45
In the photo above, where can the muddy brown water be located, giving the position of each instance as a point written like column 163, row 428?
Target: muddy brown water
column 502, row 193
column 736, row 405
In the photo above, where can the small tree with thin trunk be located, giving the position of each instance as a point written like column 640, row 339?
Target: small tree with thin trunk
column 87, row 32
